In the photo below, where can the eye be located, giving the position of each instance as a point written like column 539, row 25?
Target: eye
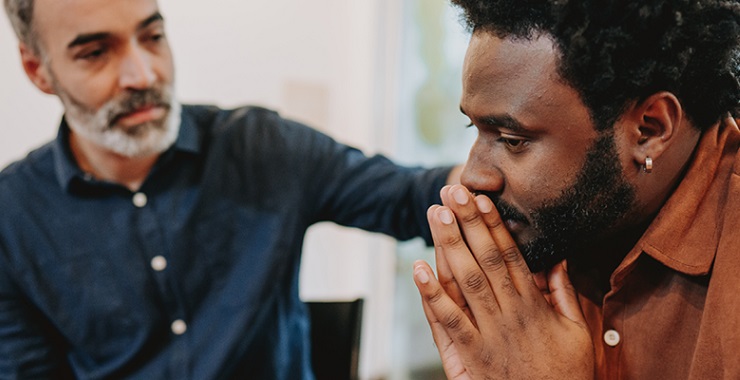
column 156, row 37
column 514, row 144
column 92, row 54
column 152, row 36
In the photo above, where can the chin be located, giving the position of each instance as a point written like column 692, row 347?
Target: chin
column 144, row 140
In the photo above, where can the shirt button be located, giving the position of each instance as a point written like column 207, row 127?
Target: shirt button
column 179, row 327
column 140, row 200
column 159, row 263
column 612, row 338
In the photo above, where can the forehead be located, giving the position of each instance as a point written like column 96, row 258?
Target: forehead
column 60, row 21
column 517, row 77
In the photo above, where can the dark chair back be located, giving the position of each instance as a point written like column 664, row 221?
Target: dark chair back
column 335, row 339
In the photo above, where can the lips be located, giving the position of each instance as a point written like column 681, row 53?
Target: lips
column 140, row 116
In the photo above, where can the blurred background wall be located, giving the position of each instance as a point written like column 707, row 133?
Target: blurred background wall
column 382, row 75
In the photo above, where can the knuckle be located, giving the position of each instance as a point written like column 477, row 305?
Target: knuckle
column 507, row 287
column 521, row 321
column 487, row 358
column 453, row 321
column 454, row 324
column 511, row 254
column 451, row 240
column 489, row 303
column 475, row 282
column 434, row 297
column 494, row 223
column 465, row 338
column 491, row 259
column 470, row 218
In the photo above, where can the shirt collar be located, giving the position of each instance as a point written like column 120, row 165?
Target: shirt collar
column 685, row 233
column 64, row 163
column 189, row 137
column 188, row 140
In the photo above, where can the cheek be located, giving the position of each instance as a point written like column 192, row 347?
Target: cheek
column 530, row 187
column 165, row 65
column 91, row 90
column 539, row 177
column 550, row 175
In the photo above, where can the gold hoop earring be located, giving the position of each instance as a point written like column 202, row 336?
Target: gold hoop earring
column 648, row 168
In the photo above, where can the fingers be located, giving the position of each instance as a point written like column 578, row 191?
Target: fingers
column 563, row 296
column 490, row 241
column 472, row 280
column 422, row 278
column 477, row 236
column 448, row 322
column 517, row 270
column 444, row 272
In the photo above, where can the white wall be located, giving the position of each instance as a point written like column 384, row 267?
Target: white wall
column 321, row 61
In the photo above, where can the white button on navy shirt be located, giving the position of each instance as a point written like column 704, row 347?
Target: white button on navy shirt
column 158, row 263
column 179, row 327
column 140, row 200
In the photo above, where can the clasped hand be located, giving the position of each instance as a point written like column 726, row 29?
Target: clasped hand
column 488, row 316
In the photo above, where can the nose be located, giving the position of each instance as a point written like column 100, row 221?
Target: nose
column 136, row 70
column 481, row 173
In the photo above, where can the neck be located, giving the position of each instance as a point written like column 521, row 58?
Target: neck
column 109, row 166
column 591, row 269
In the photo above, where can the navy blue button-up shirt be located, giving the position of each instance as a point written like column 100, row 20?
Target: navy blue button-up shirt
column 195, row 276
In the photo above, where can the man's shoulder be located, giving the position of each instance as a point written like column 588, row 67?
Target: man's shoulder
column 23, row 181
column 37, row 163
column 250, row 121
column 211, row 114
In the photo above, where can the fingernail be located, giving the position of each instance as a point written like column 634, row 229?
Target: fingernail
column 421, row 275
column 484, row 204
column 461, row 197
column 445, row 216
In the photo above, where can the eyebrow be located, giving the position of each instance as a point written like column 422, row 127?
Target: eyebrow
column 91, row 37
column 505, row 120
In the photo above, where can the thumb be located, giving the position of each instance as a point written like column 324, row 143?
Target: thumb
column 563, row 295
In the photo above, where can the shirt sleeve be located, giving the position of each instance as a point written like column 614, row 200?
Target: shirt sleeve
column 339, row 183
column 375, row 194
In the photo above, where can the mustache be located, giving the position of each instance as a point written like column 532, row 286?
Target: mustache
column 505, row 209
column 137, row 99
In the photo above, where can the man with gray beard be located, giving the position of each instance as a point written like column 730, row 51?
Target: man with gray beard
column 152, row 240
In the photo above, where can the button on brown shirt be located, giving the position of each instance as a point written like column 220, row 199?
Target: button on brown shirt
column 673, row 311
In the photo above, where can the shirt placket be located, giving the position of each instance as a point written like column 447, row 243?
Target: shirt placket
column 615, row 334
column 151, row 234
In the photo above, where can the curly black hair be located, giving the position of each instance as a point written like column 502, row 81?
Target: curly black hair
column 614, row 52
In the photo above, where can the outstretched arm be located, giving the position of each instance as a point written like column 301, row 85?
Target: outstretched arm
column 488, row 317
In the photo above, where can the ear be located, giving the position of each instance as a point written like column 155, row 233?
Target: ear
column 653, row 124
column 36, row 69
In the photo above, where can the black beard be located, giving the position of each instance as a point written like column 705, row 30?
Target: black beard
column 600, row 198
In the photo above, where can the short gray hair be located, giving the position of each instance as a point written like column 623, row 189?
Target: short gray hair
column 20, row 13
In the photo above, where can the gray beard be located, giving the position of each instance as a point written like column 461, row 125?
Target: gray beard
column 97, row 126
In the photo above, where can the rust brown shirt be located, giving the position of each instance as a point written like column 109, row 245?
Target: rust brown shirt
column 673, row 311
